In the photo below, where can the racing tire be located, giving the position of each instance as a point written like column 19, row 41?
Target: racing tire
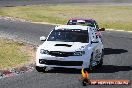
column 40, row 69
column 100, row 63
column 101, row 60
column 90, row 69
column 90, row 66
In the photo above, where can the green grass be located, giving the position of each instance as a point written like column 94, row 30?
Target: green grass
column 108, row 16
column 11, row 54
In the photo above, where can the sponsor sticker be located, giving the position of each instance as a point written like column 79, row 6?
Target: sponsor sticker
column 86, row 81
column 109, row 82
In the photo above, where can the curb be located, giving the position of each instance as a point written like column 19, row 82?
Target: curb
column 7, row 18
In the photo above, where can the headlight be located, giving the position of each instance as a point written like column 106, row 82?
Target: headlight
column 42, row 51
column 79, row 53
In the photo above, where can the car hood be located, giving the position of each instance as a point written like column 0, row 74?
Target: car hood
column 63, row 46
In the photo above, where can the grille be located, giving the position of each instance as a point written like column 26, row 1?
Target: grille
column 61, row 54
column 61, row 63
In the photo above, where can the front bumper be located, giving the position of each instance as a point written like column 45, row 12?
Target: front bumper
column 76, row 62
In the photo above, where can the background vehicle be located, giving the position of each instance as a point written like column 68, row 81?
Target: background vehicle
column 86, row 22
column 70, row 46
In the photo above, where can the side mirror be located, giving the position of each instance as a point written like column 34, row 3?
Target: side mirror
column 102, row 29
column 42, row 38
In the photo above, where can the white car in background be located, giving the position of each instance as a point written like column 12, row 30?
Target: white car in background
column 70, row 46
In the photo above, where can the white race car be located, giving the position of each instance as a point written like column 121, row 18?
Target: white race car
column 70, row 46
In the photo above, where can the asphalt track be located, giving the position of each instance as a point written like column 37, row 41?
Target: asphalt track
column 31, row 2
column 117, row 60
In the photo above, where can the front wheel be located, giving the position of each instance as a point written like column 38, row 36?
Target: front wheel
column 40, row 69
column 90, row 69
column 100, row 63
column 101, row 60
column 90, row 65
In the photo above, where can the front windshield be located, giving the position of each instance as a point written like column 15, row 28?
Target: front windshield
column 69, row 35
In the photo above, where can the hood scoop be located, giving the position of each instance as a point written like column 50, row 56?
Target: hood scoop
column 63, row 45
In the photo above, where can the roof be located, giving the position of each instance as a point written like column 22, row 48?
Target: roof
column 72, row 27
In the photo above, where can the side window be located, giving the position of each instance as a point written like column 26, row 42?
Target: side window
column 72, row 22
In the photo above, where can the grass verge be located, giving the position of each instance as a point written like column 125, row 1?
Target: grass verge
column 14, row 54
column 108, row 16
